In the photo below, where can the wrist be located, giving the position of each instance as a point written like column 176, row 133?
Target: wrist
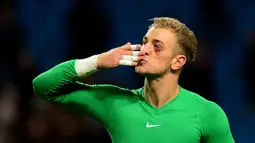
column 87, row 66
column 98, row 62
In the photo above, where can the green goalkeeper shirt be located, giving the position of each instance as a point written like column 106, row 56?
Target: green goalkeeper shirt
column 129, row 117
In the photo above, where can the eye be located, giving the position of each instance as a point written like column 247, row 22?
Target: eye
column 157, row 48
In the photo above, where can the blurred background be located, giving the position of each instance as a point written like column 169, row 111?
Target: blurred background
column 35, row 35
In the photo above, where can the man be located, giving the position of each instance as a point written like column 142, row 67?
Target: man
column 161, row 111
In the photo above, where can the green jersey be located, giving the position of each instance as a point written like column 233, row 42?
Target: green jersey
column 129, row 117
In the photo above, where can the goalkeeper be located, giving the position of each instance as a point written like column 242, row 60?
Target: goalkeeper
column 160, row 111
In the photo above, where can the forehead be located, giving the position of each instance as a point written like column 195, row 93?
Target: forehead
column 165, row 35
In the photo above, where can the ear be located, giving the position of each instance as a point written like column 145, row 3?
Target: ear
column 178, row 62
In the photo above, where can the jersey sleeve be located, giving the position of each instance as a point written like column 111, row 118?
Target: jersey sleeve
column 60, row 85
column 217, row 128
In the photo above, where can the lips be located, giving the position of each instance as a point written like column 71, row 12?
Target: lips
column 143, row 61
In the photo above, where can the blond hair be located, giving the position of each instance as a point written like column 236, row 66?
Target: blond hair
column 186, row 39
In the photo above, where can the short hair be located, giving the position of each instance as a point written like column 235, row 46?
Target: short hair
column 186, row 39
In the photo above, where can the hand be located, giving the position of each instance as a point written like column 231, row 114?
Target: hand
column 127, row 55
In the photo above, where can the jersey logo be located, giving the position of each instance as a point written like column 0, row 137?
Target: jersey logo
column 148, row 125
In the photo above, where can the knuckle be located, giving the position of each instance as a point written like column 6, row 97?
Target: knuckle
column 119, row 51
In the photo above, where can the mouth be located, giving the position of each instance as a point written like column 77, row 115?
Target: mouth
column 142, row 62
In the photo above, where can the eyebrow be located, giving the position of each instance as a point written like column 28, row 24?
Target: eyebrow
column 154, row 40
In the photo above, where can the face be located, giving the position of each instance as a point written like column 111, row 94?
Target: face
column 158, row 45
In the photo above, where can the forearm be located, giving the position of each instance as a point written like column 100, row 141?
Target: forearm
column 57, row 80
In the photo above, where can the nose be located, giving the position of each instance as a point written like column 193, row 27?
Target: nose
column 146, row 49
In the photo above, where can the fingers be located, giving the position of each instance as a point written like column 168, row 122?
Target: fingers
column 128, row 60
column 128, row 63
column 128, row 46
column 132, row 58
column 136, row 47
column 133, row 53
column 125, row 63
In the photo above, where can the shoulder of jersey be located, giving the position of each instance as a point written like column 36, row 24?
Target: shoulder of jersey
column 198, row 99
column 195, row 97
column 137, row 92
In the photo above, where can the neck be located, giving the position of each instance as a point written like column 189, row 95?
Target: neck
column 159, row 91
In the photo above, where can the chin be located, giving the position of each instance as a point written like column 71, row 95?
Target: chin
column 142, row 71
column 147, row 72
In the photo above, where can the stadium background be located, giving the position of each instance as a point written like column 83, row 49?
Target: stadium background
column 35, row 35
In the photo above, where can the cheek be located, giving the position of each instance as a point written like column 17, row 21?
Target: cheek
column 163, row 64
column 164, row 61
column 159, row 65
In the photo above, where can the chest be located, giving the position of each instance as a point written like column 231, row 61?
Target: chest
column 139, row 123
